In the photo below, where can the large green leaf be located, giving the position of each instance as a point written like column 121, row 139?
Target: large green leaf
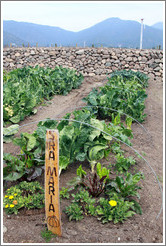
column 31, row 141
column 13, row 176
column 96, row 152
column 11, row 130
column 15, row 119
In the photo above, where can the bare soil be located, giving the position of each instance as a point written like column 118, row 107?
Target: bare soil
column 26, row 226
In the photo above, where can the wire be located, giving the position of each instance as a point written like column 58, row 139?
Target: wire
column 84, row 123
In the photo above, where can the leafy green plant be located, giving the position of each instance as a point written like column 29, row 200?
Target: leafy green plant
column 102, row 171
column 80, row 172
column 85, row 200
column 127, row 188
column 14, row 169
column 64, row 193
column 94, row 184
column 24, row 195
column 82, row 204
column 140, row 77
column 116, row 149
column 124, row 92
column 47, row 235
column 115, row 209
column 9, row 132
column 96, row 153
column 74, row 212
column 27, row 87
column 122, row 163
column 78, row 142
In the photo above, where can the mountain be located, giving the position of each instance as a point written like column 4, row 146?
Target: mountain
column 158, row 25
column 34, row 33
column 9, row 38
column 112, row 32
column 115, row 32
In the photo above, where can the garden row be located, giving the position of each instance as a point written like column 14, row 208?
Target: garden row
column 25, row 88
column 108, row 192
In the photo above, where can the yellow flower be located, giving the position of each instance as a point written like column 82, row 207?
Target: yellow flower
column 15, row 194
column 7, row 206
column 6, row 196
column 9, row 110
column 11, row 205
column 113, row 203
column 11, row 197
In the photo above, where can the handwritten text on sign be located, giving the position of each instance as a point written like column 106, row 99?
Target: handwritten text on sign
column 52, row 206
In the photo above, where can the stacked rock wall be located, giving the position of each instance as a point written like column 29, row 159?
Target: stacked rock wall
column 89, row 61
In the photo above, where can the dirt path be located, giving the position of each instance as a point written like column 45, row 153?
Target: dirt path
column 57, row 107
column 140, row 228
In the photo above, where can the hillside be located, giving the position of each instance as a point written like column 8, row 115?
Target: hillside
column 9, row 38
column 112, row 32
column 158, row 25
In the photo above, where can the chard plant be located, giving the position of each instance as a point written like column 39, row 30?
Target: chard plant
column 25, row 88
column 125, row 91
column 78, row 142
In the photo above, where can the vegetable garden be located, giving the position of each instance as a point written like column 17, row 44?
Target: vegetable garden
column 95, row 140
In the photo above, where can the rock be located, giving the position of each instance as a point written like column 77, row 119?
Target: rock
column 94, row 61
column 12, row 65
column 33, row 52
column 123, row 56
column 158, row 74
column 58, row 60
column 17, row 54
column 98, row 71
column 53, row 63
column 144, row 59
column 157, row 69
column 157, row 60
column 19, row 66
column 71, row 232
column 71, row 58
column 150, row 61
column 153, row 65
column 4, row 229
column 9, row 60
column 106, row 56
column 80, row 52
column 104, row 52
column 114, row 57
column 41, row 65
column 135, row 59
column 63, row 53
column 26, row 54
column 91, row 74
column 108, row 64
column 128, row 59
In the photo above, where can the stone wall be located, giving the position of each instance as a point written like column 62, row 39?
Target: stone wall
column 89, row 61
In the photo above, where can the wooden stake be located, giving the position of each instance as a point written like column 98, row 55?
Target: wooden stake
column 52, row 205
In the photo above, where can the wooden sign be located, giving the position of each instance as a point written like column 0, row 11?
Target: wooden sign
column 52, row 205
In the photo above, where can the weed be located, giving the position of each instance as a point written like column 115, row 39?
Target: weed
column 47, row 235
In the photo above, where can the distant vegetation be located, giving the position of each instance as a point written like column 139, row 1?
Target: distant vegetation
column 112, row 32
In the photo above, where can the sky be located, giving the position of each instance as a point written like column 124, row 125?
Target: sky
column 79, row 15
